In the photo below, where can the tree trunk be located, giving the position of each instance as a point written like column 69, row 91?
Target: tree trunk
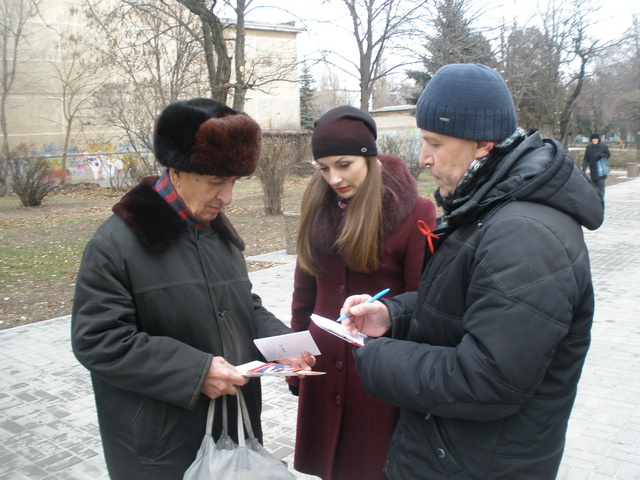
column 567, row 111
column 220, row 89
column 240, row 88
column 65, row 149
column 215, row 48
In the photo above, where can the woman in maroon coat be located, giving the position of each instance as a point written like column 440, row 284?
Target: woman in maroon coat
column 358, row 233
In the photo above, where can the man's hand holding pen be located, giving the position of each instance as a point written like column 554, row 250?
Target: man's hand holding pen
column 370, row 318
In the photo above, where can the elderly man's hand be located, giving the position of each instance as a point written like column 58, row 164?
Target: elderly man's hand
column 222, row 379
column 304, row 362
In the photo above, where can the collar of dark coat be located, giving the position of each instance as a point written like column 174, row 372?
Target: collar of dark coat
column 156, row 223
column 398, row 180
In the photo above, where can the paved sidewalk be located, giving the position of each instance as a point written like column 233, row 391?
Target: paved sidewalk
column 48, row 428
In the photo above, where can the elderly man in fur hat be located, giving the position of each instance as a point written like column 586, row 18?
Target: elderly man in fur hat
column 163, row 307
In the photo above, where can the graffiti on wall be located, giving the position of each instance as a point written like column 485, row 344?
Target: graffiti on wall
column 102, row 166
column 102, row 162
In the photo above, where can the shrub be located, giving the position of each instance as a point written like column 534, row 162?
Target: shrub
column 405, row 146
column 277, row 155
column 31, row 178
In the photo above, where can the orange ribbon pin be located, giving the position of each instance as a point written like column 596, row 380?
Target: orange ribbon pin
column 424, row 229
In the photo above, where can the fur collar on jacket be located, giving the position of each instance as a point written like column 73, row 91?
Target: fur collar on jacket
column 156, row 223
column 396, row 178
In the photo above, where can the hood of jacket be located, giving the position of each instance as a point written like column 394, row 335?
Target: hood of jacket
column 156, row 224
column 398, row 201
column 540, row 171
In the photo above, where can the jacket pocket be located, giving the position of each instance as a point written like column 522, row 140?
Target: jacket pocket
column 420, row 450
column 444, row 450
column 146, row 430
column 158, row 429
column 474, row 444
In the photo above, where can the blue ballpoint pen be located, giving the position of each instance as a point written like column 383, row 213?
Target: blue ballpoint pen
column 375, row 297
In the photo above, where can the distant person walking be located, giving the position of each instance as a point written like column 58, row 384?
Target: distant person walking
column 594, row 152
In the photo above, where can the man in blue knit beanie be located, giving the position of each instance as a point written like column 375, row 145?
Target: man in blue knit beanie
column 484, row 359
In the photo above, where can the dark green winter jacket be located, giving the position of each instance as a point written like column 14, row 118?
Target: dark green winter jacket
column 154, row 303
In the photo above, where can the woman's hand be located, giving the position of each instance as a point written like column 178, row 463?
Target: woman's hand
column 304, row 362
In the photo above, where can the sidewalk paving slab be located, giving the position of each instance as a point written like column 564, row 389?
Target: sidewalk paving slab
column 49, row 430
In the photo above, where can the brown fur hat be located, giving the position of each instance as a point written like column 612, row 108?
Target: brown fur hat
column 207, row 137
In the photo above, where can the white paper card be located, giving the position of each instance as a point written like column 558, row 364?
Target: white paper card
column 288, row 345
column 338, row 330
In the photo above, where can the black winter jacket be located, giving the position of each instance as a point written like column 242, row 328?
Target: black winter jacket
column 485, row 358
column 592, row 153
column 154, row 303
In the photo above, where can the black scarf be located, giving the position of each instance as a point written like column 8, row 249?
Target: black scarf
column 476, row 175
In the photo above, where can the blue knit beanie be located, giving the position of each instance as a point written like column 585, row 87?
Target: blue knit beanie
column 467, row 101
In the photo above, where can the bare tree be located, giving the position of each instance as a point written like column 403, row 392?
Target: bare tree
column 214, row 44
column 627, row 70
column 389, row 91
column 609, row 103
column 240, row 86
column 79, row 77
column 256, row 68
column 205, row 28
column 14, row 15
column 378, row 27
column 253, row 72
column 150, row 59
column 330, row 93
column 595, row 110
column 583, row 50
column 546, row 67
column 569, row 50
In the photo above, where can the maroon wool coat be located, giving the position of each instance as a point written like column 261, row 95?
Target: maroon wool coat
column 342, row 432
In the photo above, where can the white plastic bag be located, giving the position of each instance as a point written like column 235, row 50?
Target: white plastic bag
column 226, row 460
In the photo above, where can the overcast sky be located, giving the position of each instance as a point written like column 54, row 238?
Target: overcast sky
column 613, row 16
column 324, row 33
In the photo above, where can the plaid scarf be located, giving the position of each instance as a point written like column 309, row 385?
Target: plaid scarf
column 166, row 190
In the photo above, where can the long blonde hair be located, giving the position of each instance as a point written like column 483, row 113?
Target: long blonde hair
column 360, row 241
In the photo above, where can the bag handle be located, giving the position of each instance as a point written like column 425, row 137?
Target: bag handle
column 224, row 417
column 211, row 413
column 242, row 418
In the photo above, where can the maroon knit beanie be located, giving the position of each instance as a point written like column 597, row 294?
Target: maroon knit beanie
column 344, row 131
column 207, row 137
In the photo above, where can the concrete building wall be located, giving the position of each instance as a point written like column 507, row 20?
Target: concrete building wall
column 399, row 117
column 35, row 108
column 276, row 105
